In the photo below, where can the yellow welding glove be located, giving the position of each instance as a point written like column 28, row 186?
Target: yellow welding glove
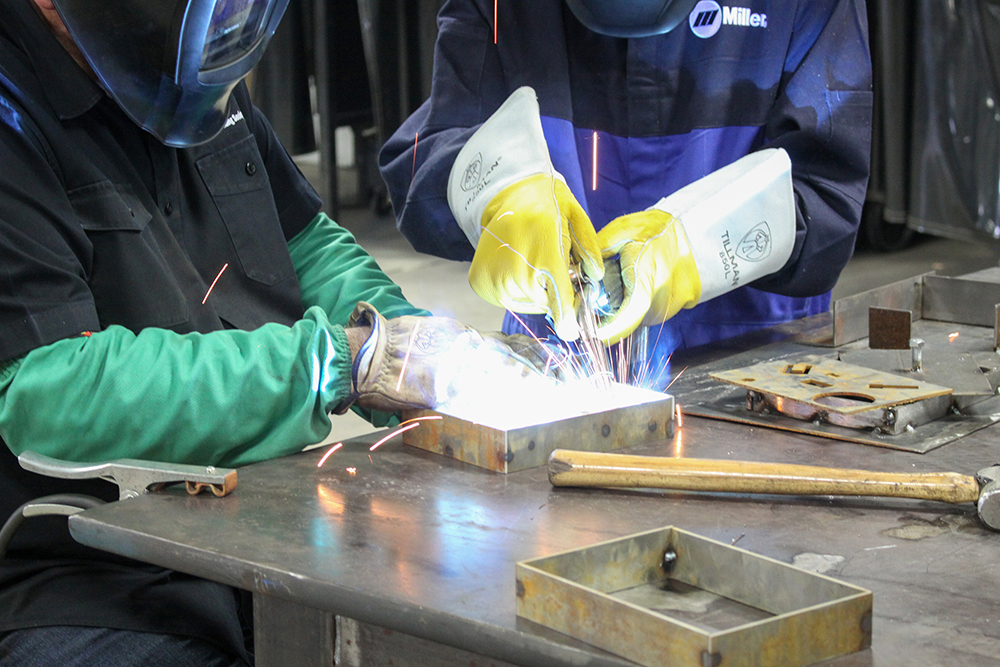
column 532, row 231
column 521, row 218
column 659, row 275
column 721, row 232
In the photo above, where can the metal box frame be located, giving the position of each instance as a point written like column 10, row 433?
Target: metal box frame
column 814, row 617
column 510, row 450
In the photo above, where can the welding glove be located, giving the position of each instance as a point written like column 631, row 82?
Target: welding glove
column 725, row 230
column 520, row 216
column 424, row 362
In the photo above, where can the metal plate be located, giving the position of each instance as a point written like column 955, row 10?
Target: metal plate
column 968, row 299
column 707, row 397
column 850, row 315
column 510, row 449
column 625, row 597
column 960, row 372
column 889, row 329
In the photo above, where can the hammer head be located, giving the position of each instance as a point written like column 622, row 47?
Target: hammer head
column 989, row 496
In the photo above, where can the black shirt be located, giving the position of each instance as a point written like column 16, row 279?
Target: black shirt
column 102, row 224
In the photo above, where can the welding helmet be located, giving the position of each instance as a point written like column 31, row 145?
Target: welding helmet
column 631, row 18
column 172, row 64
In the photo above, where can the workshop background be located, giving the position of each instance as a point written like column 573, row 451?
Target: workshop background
column 339, row 77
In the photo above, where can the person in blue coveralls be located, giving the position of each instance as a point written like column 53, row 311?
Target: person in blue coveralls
column 717, row 156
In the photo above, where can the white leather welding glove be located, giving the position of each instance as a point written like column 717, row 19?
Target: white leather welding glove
column 725, row 230
column 520, row 216
column 424, row 362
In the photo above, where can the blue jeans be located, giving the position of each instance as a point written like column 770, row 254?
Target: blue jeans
column 69, row 646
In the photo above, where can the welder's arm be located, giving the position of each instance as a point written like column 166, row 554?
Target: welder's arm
column 224, row 398
column 732, row 227
column 822, row 116
column 521, row 217
column 335, row 273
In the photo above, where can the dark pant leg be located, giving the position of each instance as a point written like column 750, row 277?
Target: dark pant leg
column 69, row 646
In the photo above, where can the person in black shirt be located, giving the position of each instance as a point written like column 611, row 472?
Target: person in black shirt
column 169, row 290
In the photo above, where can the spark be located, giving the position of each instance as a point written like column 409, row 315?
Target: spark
column 676, row 378
column 370, row 459
column 392, row 435
column 679, row 415
column 328, row 452
column 504, row 214
column 421, row 419
column 406, row 358
column 952, row 336
column 737, row 539
column 212, row 286
column 351, row 471
column 594, row 184
column 413, row 170
column 495, row 4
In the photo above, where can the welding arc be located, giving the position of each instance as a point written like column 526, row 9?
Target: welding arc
column 597, row 469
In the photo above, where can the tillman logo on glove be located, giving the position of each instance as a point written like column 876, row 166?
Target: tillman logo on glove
column 756, row 245
column 470, row 178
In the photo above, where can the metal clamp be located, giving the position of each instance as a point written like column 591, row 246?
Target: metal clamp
column 134, row 477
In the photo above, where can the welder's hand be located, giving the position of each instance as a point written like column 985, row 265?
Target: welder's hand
column 424, row 362
column 659, row 275
column 531, row 231
column 739, row 224
column 520, row 216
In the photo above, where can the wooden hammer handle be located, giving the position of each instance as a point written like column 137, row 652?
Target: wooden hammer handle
column 573, row 468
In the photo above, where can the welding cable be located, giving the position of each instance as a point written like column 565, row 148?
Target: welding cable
column 65, row 500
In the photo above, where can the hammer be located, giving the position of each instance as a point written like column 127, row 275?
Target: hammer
column 574, row 468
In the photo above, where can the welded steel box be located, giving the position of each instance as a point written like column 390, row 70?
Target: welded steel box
column 510, row 442
column 670, row 597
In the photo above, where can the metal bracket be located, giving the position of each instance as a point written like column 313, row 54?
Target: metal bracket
column 134, row 477
column 968, row 299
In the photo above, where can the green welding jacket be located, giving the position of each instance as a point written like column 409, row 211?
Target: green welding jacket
column 225, row 398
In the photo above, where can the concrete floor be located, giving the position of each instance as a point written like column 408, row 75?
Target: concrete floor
column 442, row 287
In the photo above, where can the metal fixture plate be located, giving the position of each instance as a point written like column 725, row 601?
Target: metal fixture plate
column 510, row 449
column 829, row 391
column 704, row 396
column 812, row 379
column 628, row 596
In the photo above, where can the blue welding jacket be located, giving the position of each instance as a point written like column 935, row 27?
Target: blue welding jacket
column 667, row 110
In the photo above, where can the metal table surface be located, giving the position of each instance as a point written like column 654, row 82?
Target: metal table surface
column 425, row 545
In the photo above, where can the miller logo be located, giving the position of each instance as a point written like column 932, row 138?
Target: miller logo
column 756, row 245
column 708, row 16
column 470, row 179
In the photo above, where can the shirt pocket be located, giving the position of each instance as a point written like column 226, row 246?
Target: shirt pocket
column 239, row 186
column 131, row 273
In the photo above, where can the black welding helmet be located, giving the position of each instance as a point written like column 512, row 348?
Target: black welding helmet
column 172, row 64
column 631, row 18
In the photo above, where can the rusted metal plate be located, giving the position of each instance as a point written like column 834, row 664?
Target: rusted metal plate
column 823, row 390
column 831, row 385
column 850, row 314
column 647, row 418
column 889, row 329
column 668, row 596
